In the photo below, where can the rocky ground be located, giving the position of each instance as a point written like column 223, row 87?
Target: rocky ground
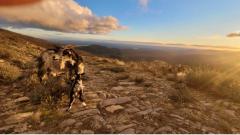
column 119, row 106
column 117, row 102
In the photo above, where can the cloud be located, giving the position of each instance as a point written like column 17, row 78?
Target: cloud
column 58, row 15
column 234, row 34
column 143, row 3
column 16, row 2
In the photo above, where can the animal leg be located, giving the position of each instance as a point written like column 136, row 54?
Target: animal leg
column 81, row 96
column 72, row 98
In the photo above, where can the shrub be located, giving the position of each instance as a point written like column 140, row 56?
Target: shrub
column 8, row 72
column 202, row 78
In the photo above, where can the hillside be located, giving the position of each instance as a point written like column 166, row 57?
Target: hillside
column 121, row 97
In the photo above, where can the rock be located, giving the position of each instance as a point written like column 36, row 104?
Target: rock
column 78, row 124
column 86, row 113
column 34, row 132
column 67, row 122
column 94, row 123
column 114, row 108
column 230, row 113
column 21, row 128
column 6, row 128
column 91, row 96
column 66, row 130
column 22, row 99
column 132, row 110
column 18, row 117
column 176, row 116
column 183, row 131
column 74, row 131
column 128, row 131
column 148, row 130
column 126, row 83
column 121, row 128
column 164, row 130
column 120, row 63
column 115, row 101
column 145, row 112
column 2, row 61
column 102, row 95
column 87, row 132
column 118, row 88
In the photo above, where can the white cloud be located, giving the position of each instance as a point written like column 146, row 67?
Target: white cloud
column 234, row 34
column 144, row 3
column 59, row 15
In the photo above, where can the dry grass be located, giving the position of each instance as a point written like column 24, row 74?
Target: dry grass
column 8, row 72
column 216, row 82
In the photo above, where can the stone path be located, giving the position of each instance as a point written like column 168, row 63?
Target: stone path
column 119, row 106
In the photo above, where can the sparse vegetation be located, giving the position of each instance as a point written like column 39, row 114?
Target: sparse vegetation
column 220, row 83
column 8, row 72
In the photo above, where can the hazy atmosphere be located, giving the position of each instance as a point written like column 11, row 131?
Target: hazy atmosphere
column 204, row 22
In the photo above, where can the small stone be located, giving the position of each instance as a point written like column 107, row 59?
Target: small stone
column 230, row 113
column 176, row 116
column 164, row 130
column 132, row 110
column 126, row 83
column 114, row 101
column 128, row 131
column 145, row 112
column 86, row 112
column 74, row 131
column 114, row 108
column 121, row 128
column 118, row 88
column 78, row 124
column 120, row 63
column 22, row 99
column 2, row 61
column 67, row 122
column 87, row 132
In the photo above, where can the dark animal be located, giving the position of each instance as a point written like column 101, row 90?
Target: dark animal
column 52, row 62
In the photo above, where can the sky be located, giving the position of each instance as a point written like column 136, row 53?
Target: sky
column 194, row 22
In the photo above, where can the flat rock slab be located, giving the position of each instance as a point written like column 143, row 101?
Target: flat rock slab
column 164, row 130
column 114, row 108
column 115, row 101
column 22, row 99
column 128, row 131
column 87, row 132
column 87, row 112
column 67, row 122
column 118, row 88
column 121, row 128
column 126, row 83
column 18, row 117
